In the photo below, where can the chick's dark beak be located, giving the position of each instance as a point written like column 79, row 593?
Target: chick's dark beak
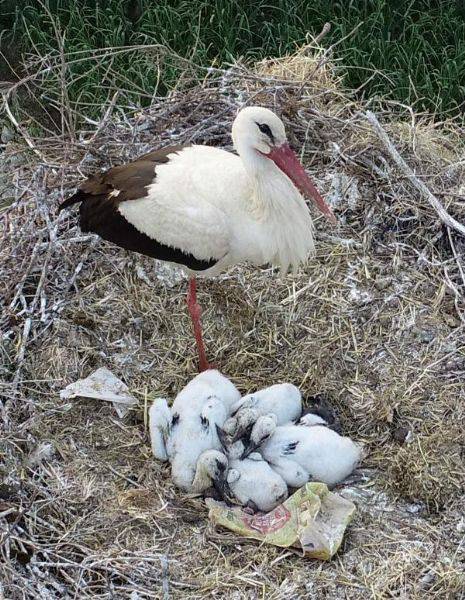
column 222, row 436
column 249, row 447
column 220, row 482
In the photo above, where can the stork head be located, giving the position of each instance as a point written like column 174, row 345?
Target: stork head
column 261, row 432
column 259, row 130
column 211, row 469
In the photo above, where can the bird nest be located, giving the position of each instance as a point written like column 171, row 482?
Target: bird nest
column 374, row 322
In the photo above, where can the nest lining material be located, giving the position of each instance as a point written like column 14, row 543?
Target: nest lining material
column 375, row 321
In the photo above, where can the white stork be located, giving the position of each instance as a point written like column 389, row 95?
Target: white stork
column 207, row 209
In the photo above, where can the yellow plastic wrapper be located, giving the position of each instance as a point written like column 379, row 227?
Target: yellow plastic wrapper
column 313, row 520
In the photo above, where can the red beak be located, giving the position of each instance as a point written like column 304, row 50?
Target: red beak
column 288, row 162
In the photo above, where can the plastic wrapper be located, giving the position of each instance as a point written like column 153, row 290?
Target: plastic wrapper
column 102, row 385
column 313, row 520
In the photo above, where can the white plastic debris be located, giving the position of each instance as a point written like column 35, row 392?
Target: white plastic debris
column 313, row 519
column 102, row 385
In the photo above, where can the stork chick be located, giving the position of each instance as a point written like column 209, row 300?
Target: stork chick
column 252, row 483
column 183, row 433
column 282, row 399
column 320, row 452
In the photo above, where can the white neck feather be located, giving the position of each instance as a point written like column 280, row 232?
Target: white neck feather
column 277, row 201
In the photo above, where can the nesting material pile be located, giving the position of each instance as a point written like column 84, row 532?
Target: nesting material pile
column 375, row 320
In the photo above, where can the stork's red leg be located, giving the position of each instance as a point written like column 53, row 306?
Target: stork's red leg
column 195, row 311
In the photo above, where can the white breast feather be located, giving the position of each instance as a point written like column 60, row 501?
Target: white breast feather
column 204, row 203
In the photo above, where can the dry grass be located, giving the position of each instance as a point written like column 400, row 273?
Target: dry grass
column 375, row 321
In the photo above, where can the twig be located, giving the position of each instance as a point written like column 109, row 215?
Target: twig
column 326, row 29
column 165, row 576
column 22, row 351
column 457, row 257
column 407, row 171
column 326, row 55
column 21, row 129
column 105, row 118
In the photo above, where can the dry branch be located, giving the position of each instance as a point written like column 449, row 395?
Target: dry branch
column 419, row 185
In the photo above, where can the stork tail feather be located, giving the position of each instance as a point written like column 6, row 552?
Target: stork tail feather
column 74, row 199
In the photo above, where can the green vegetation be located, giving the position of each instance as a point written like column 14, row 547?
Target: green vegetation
column 411, row 51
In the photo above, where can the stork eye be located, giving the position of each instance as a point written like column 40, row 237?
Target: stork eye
column 264, row 128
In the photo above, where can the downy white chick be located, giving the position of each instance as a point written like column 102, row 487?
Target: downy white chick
column 190, row 428
column 251, row 482
column 283, row 400
column 321, row 453
column 210, row 382
column 198, row 410
column 183, row 433
column 193, row 430
column 239, row 481
column 292, row 473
